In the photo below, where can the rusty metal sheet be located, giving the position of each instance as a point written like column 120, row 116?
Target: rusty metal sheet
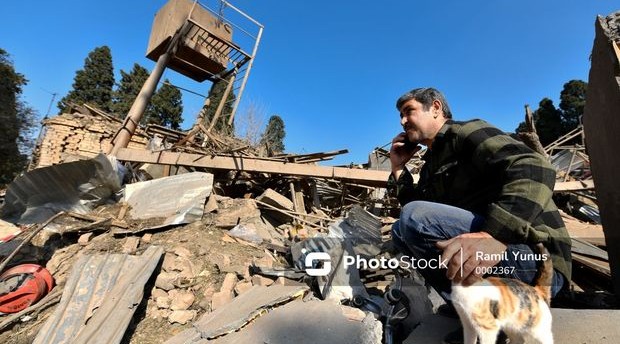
column 100, row 298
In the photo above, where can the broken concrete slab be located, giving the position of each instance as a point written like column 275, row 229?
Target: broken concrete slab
column 236, row 211
column 181, row 316
column 100, row 298
column 177, row 199
column 239, row 312
column 279, row 201
column 180, row 300
column 308, row 323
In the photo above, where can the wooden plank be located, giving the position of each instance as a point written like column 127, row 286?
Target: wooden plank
column 584, row 231
column 364, row 177
column 592, row 263
column 575, row 185
column 587, row 249
column 601, row 127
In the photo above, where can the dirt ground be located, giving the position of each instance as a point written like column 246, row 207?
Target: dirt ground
column 212, row 255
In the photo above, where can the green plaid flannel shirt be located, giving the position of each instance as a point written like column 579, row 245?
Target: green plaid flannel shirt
column 477, row 167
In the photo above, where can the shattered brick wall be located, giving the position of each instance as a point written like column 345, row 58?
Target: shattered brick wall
column 70, row 137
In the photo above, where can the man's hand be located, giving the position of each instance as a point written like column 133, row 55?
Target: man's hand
column 400, row 154
column 464, row 271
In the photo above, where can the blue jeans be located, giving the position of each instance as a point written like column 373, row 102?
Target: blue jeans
column 422, row 224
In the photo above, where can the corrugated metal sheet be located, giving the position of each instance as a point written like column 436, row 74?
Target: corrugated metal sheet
column 100, row 298
column 75, row 186
column 179, row 199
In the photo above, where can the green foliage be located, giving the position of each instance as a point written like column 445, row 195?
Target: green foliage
column 216, row 93
column 16, row 121
column 94, row 83
column 572, row 103
column 167, row 106
column 128, row 90
column 551, row 122
column 548, row 121
column 273, row 137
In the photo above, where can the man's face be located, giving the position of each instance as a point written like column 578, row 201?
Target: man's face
column 420, row 125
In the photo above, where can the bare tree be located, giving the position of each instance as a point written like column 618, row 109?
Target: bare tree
column 249, row 124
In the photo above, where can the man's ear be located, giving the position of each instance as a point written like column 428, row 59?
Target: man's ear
column 437, row 107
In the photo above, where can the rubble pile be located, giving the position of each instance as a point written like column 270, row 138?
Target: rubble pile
column 183, row 247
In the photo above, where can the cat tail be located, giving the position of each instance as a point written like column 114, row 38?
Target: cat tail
column 545, row 274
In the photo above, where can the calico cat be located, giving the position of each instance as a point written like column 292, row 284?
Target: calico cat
column 494, row 304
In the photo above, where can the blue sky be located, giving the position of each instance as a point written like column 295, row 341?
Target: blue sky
column 333, row 69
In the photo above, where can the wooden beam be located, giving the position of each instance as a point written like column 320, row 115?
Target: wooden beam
column 359, row 176
column 602, row 125
column 575, row 185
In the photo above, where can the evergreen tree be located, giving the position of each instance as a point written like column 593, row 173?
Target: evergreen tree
column 572, row 103
column 128, row 90
column 552, row 123
column 273, row 137
column 94, row 83
column 216, row 93
column 167, row 106
column 548, row 121
column 16, row 121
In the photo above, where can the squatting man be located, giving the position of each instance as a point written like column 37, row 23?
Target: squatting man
column 481, row 194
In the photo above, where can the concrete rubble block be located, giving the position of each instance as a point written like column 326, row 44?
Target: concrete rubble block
column 260, row 280
column 147, row 238
column 267, row 231
column 165, row 280
column 229, row 282
column 181, row 316
column 242, row 287
column 182, row 252
column 221, row 298
column 181, row 299
column 168, row 264
column 158, row 313
column 156, row 292
column 211, row 204
column 246, row 232
column 241, row 210
column 163, row 302
column 85, row 238
column 266, row 261
column 275, row 199
column 186, row 268
column 279, row 201
column 130, row 246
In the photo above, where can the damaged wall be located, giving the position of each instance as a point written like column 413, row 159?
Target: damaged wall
column 70, row 137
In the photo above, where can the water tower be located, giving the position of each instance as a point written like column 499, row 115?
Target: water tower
column 196, row 41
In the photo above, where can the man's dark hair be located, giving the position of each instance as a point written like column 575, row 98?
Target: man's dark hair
column 425, row 96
